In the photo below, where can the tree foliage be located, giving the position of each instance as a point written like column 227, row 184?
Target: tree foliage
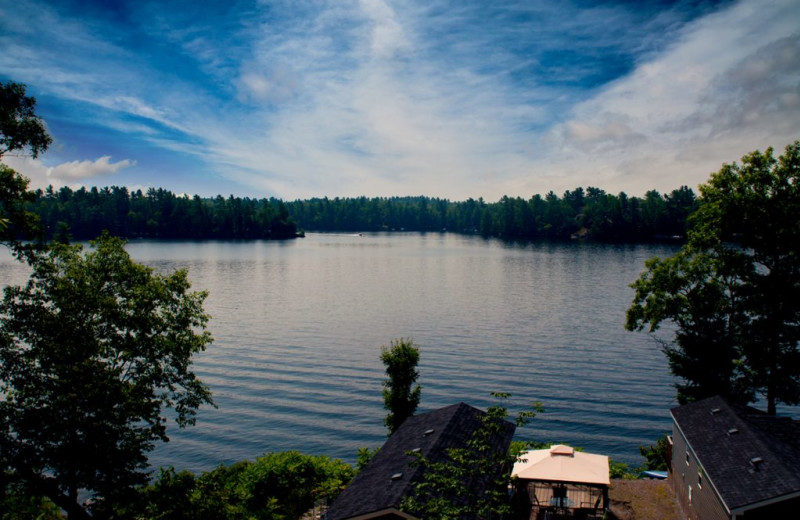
column 400, row 396
column 590, row 213
column 15, row 220
column 277, row 486
column 20, row 128
column 93, row 351
column 472, row 481
column 656, row 456
column 733, row 291
column 158, row 213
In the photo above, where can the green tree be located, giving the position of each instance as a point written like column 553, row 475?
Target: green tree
column 472, row 482
column 15, row 220
column 93, row 351
column 400, row 396
column 733, row 291
column 656, row 456
column 20, row 130
column 20, row 127
column 276, row 486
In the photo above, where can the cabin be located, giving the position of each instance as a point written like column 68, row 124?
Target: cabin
column 731, row 461
column 560, row 482
column 378, row 490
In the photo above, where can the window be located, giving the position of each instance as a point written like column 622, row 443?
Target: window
column 699, row 480
column 690, row 493
column 687, row 458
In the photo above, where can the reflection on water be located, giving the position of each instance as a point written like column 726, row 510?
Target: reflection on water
column 298, row 327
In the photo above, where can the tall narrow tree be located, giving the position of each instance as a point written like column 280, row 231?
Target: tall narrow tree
column 400, row 396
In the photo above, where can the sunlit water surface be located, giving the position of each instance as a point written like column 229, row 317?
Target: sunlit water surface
column 298, row 328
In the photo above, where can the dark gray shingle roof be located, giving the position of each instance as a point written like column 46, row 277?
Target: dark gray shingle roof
column 432, row 433
column 747, row 455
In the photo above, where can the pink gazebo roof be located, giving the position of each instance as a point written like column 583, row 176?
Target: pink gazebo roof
column 562, row 463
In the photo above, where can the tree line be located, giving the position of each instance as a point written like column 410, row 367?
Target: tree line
column 579, row 213
column 83, row 214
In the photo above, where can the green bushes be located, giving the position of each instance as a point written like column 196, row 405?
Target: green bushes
column 277, row 486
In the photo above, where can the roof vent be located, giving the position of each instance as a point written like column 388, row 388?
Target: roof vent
column 755, row 461
column 560, row 449
column 397, row 476
column 428, row 432
column 733, row 431
column 416, row 450
column 715, row 411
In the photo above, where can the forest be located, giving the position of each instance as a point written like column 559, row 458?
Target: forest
column 158, row 213
column 84, row 214
column 590, row 213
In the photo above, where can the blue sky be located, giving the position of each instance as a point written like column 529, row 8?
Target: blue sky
column 445, row 98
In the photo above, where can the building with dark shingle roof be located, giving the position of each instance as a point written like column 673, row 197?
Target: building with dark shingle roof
column 389, row 477
column 731, row 461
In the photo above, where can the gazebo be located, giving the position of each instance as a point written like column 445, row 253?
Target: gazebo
column 560, row 482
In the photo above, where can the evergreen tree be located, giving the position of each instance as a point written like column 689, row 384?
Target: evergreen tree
column 400, row 396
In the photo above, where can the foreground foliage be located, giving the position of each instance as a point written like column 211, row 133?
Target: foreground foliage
column 733, row 291
column 93, row 350
column 656, row 456
column 472, row 481
column 21, row 132
column 277, row 486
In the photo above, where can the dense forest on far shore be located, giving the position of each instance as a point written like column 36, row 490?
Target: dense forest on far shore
column 158, row 213
column 592, row 214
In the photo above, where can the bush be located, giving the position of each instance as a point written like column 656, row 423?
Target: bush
column 277, row 486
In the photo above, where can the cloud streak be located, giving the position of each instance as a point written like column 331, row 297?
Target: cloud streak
column 395, row 97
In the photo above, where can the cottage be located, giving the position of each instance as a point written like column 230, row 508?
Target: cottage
column 377, row 491
column 731, row 461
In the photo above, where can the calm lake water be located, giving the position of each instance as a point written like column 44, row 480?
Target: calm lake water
column 298, row 328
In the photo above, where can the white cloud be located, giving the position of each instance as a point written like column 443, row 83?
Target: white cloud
column 385, row 97
column 726, row 87
column 388, row 36
column 88, row 169
column 42, row 175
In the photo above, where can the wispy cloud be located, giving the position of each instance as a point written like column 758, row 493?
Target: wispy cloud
column 723, row 88
column 392, row 97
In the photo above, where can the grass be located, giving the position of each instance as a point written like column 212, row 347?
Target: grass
column 643, row 500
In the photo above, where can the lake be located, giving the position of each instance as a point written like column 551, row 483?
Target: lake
column 299, row 325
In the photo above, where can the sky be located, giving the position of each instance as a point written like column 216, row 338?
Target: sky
column 456, row 99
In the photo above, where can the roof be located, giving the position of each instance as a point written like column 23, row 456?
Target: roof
column 748, row 456
column 562, row 463
column 389, row 477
